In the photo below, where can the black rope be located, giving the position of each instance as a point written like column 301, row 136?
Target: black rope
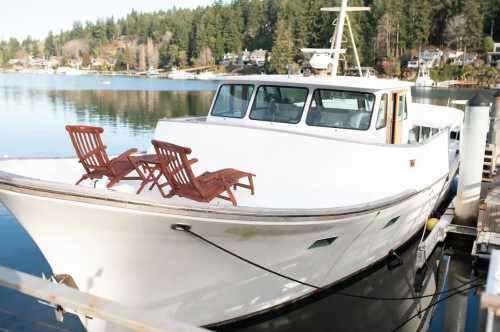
column 420, row 311
column 409, row 297
column 187, row 229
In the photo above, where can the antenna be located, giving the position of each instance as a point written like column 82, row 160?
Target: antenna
column 339, row 31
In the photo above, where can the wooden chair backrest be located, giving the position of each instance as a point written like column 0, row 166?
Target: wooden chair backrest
column 175, row 165
column 89, row 147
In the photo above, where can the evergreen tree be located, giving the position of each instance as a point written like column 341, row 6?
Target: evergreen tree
column 393, row 29
column 473, row 25
column 283, row 50
column 50, row 45
column 419, row 22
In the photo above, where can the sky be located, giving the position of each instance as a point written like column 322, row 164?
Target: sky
column 20, row 18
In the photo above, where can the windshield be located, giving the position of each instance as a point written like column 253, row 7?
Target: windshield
column 232, row 100
column 279, row 104
column 341, row 109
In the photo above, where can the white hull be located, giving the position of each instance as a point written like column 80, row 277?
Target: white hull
column 206, row 76
column 329, row 202
column 180, row 75
column 128, row 252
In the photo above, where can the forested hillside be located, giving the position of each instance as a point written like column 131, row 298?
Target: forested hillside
column 180, row 37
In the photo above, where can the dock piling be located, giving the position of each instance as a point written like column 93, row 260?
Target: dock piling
column 472, row 146
column 495, row 135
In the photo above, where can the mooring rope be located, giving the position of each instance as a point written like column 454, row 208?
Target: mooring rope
column 187, row 229
column 420, row 311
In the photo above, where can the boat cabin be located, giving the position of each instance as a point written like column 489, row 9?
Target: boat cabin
column 353, row 108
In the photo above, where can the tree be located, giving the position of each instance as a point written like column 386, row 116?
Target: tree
column 473, row 25
column 130, row 56
column 419, row 24
column 75, row 48
column 283, row 50
column 50, row 45
column 455, row 31
column 152, row 54
column 488, row 44
column 205, row 58
column 142, row 57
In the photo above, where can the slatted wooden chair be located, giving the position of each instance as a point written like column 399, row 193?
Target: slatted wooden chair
column 92, row 155
column 176, row 168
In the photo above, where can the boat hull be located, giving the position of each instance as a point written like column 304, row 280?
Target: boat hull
column 130, row 253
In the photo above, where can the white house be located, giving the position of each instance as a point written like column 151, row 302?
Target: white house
column 493, row 58
column 258, row 57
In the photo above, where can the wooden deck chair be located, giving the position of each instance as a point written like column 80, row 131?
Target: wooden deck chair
column 92, row 155
column 176, row 168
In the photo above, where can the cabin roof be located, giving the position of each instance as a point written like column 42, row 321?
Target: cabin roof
column 347, row 82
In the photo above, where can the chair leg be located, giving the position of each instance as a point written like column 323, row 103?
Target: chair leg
column 250, row 181
column 112, row 182
column 84, row 177
column 155, row 181
column 143, row 184
column 231, row 195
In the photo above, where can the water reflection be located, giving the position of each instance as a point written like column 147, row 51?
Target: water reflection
column 139, row 110
column 336, row 312
column 33, row 120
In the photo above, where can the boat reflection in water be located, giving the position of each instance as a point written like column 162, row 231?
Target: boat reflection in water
column 337, row 311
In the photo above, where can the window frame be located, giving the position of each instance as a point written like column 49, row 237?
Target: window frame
column 341, row 90
column 280, row 86
column 218, row 94
column 385, row 111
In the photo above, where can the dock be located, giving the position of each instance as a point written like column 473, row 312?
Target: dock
column 66, row 299
column 458, row 84
column 475, row 211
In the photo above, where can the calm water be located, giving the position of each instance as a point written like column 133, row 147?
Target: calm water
column 33, row 112
column 35, row 108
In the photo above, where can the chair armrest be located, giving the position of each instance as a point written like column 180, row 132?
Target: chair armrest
column 192, row 161
column 124, row 156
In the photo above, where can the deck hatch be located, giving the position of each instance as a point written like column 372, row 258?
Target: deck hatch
column 322, row 242
column 391, row 222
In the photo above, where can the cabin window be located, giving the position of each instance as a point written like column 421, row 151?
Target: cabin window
column 382, row 112
column 455, row 135
column 414, row 135
column 232, row 100
column 341, row 109
column 419, row 134
column 425, row 133
column 279, row 104
column 402, row 111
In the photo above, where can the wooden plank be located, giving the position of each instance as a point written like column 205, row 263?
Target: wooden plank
column 89, row 305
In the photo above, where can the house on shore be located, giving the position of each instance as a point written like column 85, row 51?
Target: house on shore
column 258, row 57
column 493, row 58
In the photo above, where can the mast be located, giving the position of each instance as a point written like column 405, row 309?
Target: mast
column 338, row 38
column 336, row 46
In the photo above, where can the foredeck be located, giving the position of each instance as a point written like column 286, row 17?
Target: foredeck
column 293, row 171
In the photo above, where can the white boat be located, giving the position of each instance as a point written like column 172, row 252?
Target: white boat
column 69, row 71
column 206, row 75
column 176, row 74
column 347, row 168
column 152, row 72
column 424, row 79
